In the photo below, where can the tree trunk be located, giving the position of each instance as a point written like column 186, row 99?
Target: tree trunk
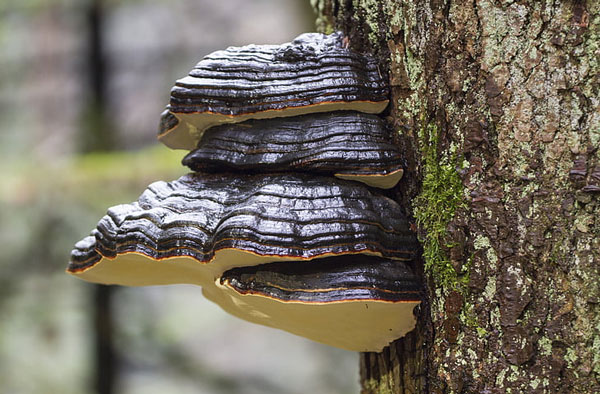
column 98, row 135
column 497, row 106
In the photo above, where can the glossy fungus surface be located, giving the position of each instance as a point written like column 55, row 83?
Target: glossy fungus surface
column 291, row 251
column 354, row 302
column 349, row 145
column 271, row 224
column 246, row 219
column 313, row 73
column 333, row 279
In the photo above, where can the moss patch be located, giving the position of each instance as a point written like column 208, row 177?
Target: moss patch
column 435, row 207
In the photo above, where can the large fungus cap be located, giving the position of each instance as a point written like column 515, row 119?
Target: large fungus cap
column 350, row 145
column 222, row 221
column 313, row 73
column 205, row 228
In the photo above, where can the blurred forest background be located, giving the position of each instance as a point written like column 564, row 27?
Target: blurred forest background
column 82, row 85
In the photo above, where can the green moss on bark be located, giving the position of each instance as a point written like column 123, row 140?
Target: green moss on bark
column 435, row 207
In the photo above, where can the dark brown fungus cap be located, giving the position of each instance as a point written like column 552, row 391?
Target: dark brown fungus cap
column 332, row 279
column 277, row 217
column 350, row 145
column 313, row 73
column 355, row 302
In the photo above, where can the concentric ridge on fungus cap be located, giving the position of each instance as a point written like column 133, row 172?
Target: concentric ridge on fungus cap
column 349, row 145
column 282, row 215
column 313, row 73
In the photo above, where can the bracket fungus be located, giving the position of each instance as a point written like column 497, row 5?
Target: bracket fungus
column 201, row 228
column 262, row 225
column 260, row 218
column 313, row 73
column 352, row 302
column 349, row 145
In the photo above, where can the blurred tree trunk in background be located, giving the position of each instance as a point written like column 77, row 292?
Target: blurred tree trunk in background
column 98, row 135
column 497, row 107
column 97, row 132
column 105, row 360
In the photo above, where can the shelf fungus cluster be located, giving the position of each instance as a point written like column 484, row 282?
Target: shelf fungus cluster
column 281, row 221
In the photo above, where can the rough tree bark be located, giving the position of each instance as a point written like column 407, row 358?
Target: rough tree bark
column 497, row 105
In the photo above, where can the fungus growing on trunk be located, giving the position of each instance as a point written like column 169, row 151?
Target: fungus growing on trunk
column 204, row 228
column 260, row 226
column 349, row 145
column 248, row 219
column 358, row 303
column 313, row 73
